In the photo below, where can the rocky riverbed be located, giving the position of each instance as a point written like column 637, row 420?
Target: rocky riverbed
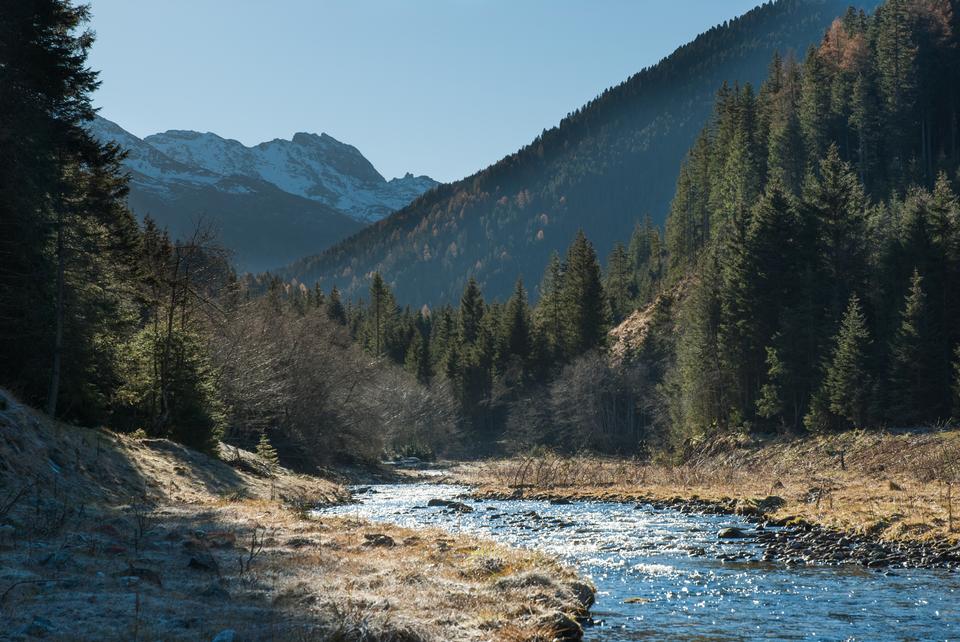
column 688, row 568
column 791, row 541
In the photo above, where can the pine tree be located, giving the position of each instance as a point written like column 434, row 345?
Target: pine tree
column 335, row 309
column 267, row 452
column 584, row 302
column 381, row 317
column 550, row 309
column 847, row 384
column 515, row 333
column 912, row 396
column 814, row 108
column 834, row 199
column 472, row 309
column 896, row 57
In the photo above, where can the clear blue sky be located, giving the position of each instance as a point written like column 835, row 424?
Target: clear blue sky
column 438, row 87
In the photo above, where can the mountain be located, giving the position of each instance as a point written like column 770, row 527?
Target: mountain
column 319, row 168
column 271, row 204
column 603, row 168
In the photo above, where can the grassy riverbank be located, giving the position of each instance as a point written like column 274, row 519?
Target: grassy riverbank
column 108, row 537
column 893, row 486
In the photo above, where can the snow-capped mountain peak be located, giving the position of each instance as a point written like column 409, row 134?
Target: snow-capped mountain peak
column 314, row 166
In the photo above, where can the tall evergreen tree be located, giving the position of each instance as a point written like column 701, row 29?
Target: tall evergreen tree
column 896, row 56
column 584, row 301
column 833, row 198
column 550, row 310
column 848, row 384
column 381, row 317
column 335, row 309
column 912, row 397
column 472, row 309
column 515, row 333
column 66, row 240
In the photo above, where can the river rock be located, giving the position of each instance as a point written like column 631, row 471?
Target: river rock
column 731, row 533
column 460, row 507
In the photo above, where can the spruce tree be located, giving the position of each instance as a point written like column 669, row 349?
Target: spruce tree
column 472, row 309
column 550, row 309
column 515, row 331
column 773, row 393
column 381, row 317
column 912, row 396
column 814, row 108
column 784, row 141
column 896, row 56
column 335, row 309
column 834, row 201
column 267, row 452
column 584, row 301
column 847, row 384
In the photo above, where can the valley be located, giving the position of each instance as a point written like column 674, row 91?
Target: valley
column 686, row 366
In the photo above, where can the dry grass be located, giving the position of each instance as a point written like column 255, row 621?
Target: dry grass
column 890, row 485
column 105, row 537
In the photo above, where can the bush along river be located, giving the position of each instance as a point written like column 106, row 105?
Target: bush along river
column 664, row 573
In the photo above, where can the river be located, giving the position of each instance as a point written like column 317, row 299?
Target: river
column 663, row 574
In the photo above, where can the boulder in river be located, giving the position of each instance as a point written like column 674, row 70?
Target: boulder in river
column 459, row 507
column 731, row 533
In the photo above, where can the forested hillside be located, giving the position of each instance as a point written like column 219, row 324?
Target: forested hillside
column 605, row 168
column 808, row 281
column 819, row 220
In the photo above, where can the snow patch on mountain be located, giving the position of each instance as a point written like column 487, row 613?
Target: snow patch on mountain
column 320, row 168
column 317, row 167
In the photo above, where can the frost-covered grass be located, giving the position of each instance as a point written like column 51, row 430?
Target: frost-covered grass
column 107, row 537
column 892, row 485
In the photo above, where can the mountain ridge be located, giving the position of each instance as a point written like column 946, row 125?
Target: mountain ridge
column 605, row 166
column 272, row 203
